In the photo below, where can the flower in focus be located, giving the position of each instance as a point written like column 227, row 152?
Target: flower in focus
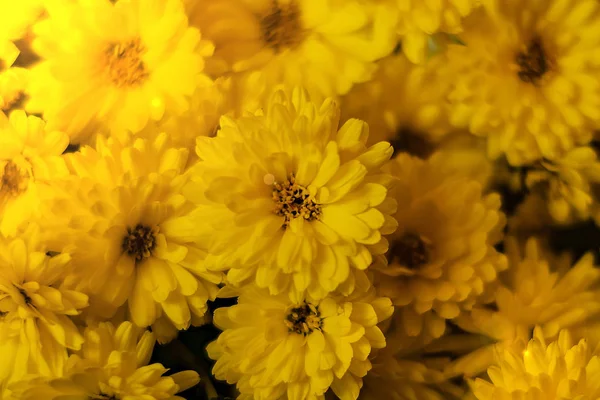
column 402, row 104
column 118, row 64
column 528, row 77
column 29, row 161
column 35, row 328
column 325, row 46
column 273, row 348
column 441, row 259
column 293, row 203
column 568, row 183
column 419, row 21
column 123, row 218
column 557, row 370
column 111, row 365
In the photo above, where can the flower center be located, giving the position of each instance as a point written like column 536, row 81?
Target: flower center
column 304, row 319
column 293, row 201
column 140, row 241
column 281, row 28
column 411, row 251
column 533, row 62
column 124, row 65
column 14, row 180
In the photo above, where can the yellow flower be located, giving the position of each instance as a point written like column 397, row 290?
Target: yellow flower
column 111, row 365
column 403, row 104
column 567, row 183
column 528, row 78
column 441, row 260
column 325, row 46
column 405, row 379
column 116, row 64
column 29, row 161
column 539, row 289
column 35, row 328
column 556, row 370
column 420, row 20
column 126, row 223
column 293, row 203
column 274, row 348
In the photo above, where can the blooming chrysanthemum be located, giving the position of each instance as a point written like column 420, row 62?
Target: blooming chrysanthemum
column 403, row 104
column 124, row 220
column 406, row 379
column 29, row 160
column 294, row 203
column 556, row 370
column 274, row 348
column 118, row 64
column 567, row 183
column 441, row 259
column 538, row 289
column 420, row 20
column 325, row 46
column 528, row 78
column 111, row 365
column 35, row 328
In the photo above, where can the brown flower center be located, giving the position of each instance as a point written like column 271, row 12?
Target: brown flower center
column 293, row 201
column 533, row 62
column 304, row 319
column 140, row 241
column 14, row 180
column 410, row 251
column 124, row 65
column 281, row 28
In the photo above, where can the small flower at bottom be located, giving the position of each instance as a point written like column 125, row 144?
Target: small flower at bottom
column 273, row 348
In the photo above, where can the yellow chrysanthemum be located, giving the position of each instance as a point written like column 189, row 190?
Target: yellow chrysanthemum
column 293, row 203
column 528, row 77
column 325, row 46
column 35, row 328
column 556, row 370
column 29, row 161
column 111, row 365
column 273, row 348
column 567, row 183
column 420, row 20
column 118, row 65
column 539, row 289
column 441, row 260
column 406, row 379
column 403, row 104
column 124, row 220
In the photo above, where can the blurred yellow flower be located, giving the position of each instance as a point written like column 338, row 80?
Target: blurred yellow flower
column 403, row 104
column 274, row 348
column 528, row 78
column 29, row 161
column 557, row 370
column 293, row 203
column 112, row 365
column 118, row 65
column 441, row 260
column 123, row 218
column 324, row 45
column 35, row 328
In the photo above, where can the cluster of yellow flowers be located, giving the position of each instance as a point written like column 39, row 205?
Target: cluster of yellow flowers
column 343, row 169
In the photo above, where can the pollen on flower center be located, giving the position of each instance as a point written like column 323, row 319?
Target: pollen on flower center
column 304, row 319
column 14, row 181
column 533, row 62
column 411, row 251
column 281, row 28
column 140, row 241
column 124, row 65
column 293, row 201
